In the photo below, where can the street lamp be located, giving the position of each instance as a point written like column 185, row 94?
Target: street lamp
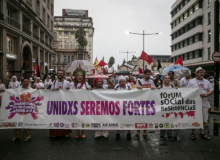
column 127, row 54
column 143, row 34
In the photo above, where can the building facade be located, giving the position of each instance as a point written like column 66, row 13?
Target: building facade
column 192, row 29
column 26, row 35
column 134, row 64
column 66, row 45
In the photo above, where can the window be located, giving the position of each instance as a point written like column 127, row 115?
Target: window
column 58, row 59
column 177, row 46
column 72, row 58
column 196, row 7
column 48, row 21
column 190, row 55
column 51, row 26
column 197, row 22
column 64, row 58
column 38, row 7
column 10, row 44
column 209, row 3
column 43, row 14
column 209, row 18
column 181, row 19
column 209, row 36
column 52, row 9
column 191, row 40
column 177, row 21
column 185, row 43
column 11, row 15
column 209, row 53
column 185, row 15
column 191, row 25
column 196, row 54
column 191, row 11
column 48, row 4
column 80, row 56
column 69, row 59
column 186, row 56
column 196, row 38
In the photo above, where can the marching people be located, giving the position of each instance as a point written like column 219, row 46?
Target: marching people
column 98, row 84
column 70, row 80
column 145, row 82
column 132, row 81
column 60, row 83
column 173, row 81
column 39, row 84
column 184, row 81
column 47, row 83
column 14, row 83
column 166, row 84
column 2, row 89
column 80, row 83
column 25, row 85
column 122, row 86
column 206, row 90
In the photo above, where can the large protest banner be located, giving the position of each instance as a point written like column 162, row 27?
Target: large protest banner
column 102, row 109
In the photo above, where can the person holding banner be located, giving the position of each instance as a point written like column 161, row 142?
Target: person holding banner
column 24, row 98
column 2, row 89
column 173, row 81
column 39, row 84
column 80, row 83
column 166, row 84
column 14, row 83
column 122, row 86
column 98, row 84
column 58, row 84
column 206, row 90
column 47, row 83
column 145, row 82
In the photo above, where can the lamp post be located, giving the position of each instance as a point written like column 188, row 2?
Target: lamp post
column 127, row 54
column 143, row 34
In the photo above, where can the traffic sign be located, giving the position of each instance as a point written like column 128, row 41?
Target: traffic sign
column 216, row 56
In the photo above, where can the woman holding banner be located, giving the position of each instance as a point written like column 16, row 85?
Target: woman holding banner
column 58, row 84
column 14, row 83
column 122, row 86
column 24, row 97
column 2, row 89
column 98, row 84
column 80, row 84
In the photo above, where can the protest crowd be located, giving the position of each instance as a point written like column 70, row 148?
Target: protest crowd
column 128, row 82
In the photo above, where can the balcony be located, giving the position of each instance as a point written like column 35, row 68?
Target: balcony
column 1, row 16
column 36, row 36
column 26, row 30
column 60, row 63
column 13, row 23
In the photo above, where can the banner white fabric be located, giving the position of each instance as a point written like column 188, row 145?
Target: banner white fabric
column 102, row 109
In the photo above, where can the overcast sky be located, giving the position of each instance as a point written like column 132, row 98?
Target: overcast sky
column 111, row 18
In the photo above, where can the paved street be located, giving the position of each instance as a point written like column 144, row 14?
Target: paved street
column 42, row 147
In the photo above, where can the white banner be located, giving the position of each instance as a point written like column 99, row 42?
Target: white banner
column 102, row 109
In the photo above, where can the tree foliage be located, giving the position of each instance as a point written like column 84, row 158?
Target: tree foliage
column 80, row 37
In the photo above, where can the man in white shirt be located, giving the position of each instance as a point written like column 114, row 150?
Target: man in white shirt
column 184, row 81
column 206, row 90
column 14, row 83
column 39, row 84
column 145, row 82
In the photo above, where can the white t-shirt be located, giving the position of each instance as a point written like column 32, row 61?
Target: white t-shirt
column 127, row 86
column 14, row 84
column 40, row 85
column 47, row 83
column 146, row 84
column 2, row 87
column 78, row 86
column 184, row 82
column 205, row 87
column 63, row 85
column 170, row 86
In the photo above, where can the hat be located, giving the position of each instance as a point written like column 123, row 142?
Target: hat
column 198, row 69
column 120, row 78
column 126, row 77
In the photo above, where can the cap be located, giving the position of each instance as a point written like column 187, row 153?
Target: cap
column 199, row 69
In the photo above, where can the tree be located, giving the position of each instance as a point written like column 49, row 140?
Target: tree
column 111, row 62
column 80, row 38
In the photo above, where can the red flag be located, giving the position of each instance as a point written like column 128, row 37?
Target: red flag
column 179, row 61
column 144, row 56
column 104, row 71
column 35, row 70
column 140, row 70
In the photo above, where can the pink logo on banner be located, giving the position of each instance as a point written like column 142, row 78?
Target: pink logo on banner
column 23, row 105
